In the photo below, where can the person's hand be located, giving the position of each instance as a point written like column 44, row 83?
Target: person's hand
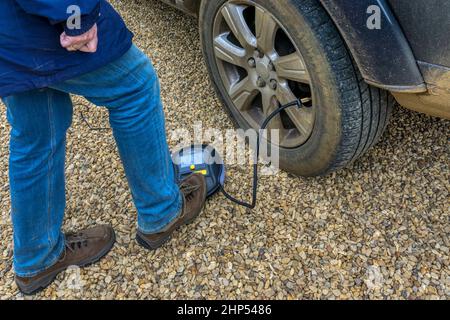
column 86, row 42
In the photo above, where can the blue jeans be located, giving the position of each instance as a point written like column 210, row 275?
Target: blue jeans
column 129, row 89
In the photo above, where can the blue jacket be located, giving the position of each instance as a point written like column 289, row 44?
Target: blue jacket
column 30, row 52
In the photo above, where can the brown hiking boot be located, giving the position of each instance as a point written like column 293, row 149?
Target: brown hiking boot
column 194, row 190
column 82, row 249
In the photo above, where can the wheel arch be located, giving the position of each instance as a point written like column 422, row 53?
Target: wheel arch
column 384, row 56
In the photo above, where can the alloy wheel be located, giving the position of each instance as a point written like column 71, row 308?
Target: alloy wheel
column 261, row 68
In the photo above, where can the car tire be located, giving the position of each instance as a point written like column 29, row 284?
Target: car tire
column 350, row 115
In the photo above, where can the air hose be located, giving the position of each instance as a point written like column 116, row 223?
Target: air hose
column 266, row 122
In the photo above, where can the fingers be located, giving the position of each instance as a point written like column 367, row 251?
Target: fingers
column 86, row 42
column 76, row 47
column 90, row 47
column 64, row 40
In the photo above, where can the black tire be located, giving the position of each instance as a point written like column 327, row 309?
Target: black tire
column 351, row 115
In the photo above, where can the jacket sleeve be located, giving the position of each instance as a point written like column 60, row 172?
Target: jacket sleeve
column 57, row 12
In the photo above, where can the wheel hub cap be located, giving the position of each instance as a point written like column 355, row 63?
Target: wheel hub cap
column 263, row 68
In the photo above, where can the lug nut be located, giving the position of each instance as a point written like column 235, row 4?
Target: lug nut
column 260, row 82
column 273, row 84
column 252, row 62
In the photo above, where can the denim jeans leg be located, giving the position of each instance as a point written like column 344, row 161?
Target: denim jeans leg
column 39, row 120
column 129, row 89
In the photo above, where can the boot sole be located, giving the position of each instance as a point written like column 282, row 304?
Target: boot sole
column 46, row 281
column 158, row 244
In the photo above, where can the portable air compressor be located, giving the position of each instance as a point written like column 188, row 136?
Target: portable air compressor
column 204, row 159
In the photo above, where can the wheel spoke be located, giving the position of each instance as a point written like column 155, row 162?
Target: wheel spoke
column 243, row 93
column 301, row 118
column 266, row 30
column 270, row 104
column 292, row 67
column 234, row 17
column 227, row 51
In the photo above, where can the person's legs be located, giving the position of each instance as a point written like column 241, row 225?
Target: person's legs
column 129, row 88
column 39, row 120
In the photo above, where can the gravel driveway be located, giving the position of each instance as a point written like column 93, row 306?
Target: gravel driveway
column 378, row 229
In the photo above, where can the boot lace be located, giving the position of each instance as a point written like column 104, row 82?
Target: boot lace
column 76, row 242
column 188, row 190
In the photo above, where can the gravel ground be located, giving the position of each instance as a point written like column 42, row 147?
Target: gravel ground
column 378, row 229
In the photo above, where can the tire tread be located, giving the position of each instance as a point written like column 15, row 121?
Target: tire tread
column 365, row 109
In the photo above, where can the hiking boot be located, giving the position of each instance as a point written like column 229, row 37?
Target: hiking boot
column 82, row 249
column 193, row 189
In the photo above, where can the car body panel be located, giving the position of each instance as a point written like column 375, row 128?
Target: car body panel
column 383, row 55
column 426, row 25
column 436, row 101
column 188, row 6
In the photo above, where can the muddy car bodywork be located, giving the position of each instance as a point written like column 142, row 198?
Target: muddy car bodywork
column 408, row 56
